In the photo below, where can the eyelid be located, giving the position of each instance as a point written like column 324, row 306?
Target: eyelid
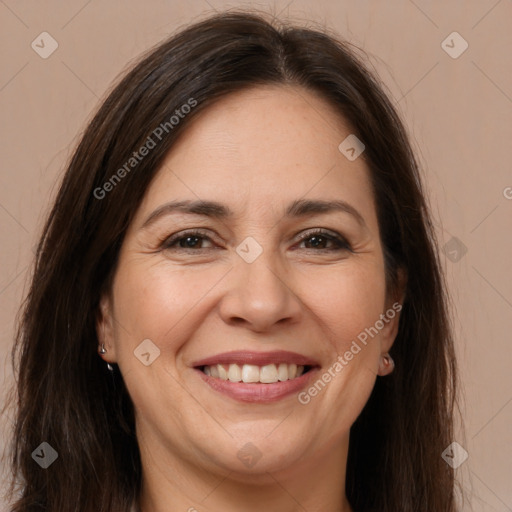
column 313, row 231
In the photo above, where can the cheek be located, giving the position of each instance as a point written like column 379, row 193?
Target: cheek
column 346, row 300
column 347, row 304
column 159, row 302
column 352, row 305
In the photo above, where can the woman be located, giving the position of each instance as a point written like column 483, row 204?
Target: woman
column 237, row 302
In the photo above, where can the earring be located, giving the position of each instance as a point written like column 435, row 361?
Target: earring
column 102, row 351
column 387, row 365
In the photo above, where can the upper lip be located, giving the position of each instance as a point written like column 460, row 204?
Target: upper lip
column 242, row 357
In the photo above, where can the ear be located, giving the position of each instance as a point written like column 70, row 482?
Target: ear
column 105, row 329
column 391, row 316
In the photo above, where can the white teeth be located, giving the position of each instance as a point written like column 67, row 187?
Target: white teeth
column 251, row 373
column 267, row 374
column 234, row 374
column 223, row 374
column 282, row 372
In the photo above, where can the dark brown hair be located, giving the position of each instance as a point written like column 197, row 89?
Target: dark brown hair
column 64, row 394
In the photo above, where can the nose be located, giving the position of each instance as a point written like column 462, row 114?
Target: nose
column 260, row 296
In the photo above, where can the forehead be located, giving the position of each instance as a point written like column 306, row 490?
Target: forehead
column 260, row 147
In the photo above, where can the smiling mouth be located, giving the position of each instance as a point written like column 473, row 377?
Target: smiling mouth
column 249, row 373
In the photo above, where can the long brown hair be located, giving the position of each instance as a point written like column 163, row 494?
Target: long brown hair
column 64, row 394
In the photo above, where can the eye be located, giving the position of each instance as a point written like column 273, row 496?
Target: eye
column 186, row 240
column 318, row 238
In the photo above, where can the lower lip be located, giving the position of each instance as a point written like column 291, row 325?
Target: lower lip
column 257, row 392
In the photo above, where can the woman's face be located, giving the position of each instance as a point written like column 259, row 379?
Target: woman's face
column 248, row 294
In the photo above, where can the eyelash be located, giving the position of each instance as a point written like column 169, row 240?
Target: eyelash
column 340, row 242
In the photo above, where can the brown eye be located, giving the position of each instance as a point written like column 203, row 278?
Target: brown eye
column 321, row 239
column 186, row 240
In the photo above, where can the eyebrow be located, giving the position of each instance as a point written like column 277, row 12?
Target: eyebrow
column 213, row 209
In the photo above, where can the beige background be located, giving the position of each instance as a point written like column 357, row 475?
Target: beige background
column 458, row 110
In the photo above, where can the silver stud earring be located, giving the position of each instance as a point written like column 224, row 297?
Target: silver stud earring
column 102, row 351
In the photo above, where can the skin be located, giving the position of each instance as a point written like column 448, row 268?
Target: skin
column 255, row 151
